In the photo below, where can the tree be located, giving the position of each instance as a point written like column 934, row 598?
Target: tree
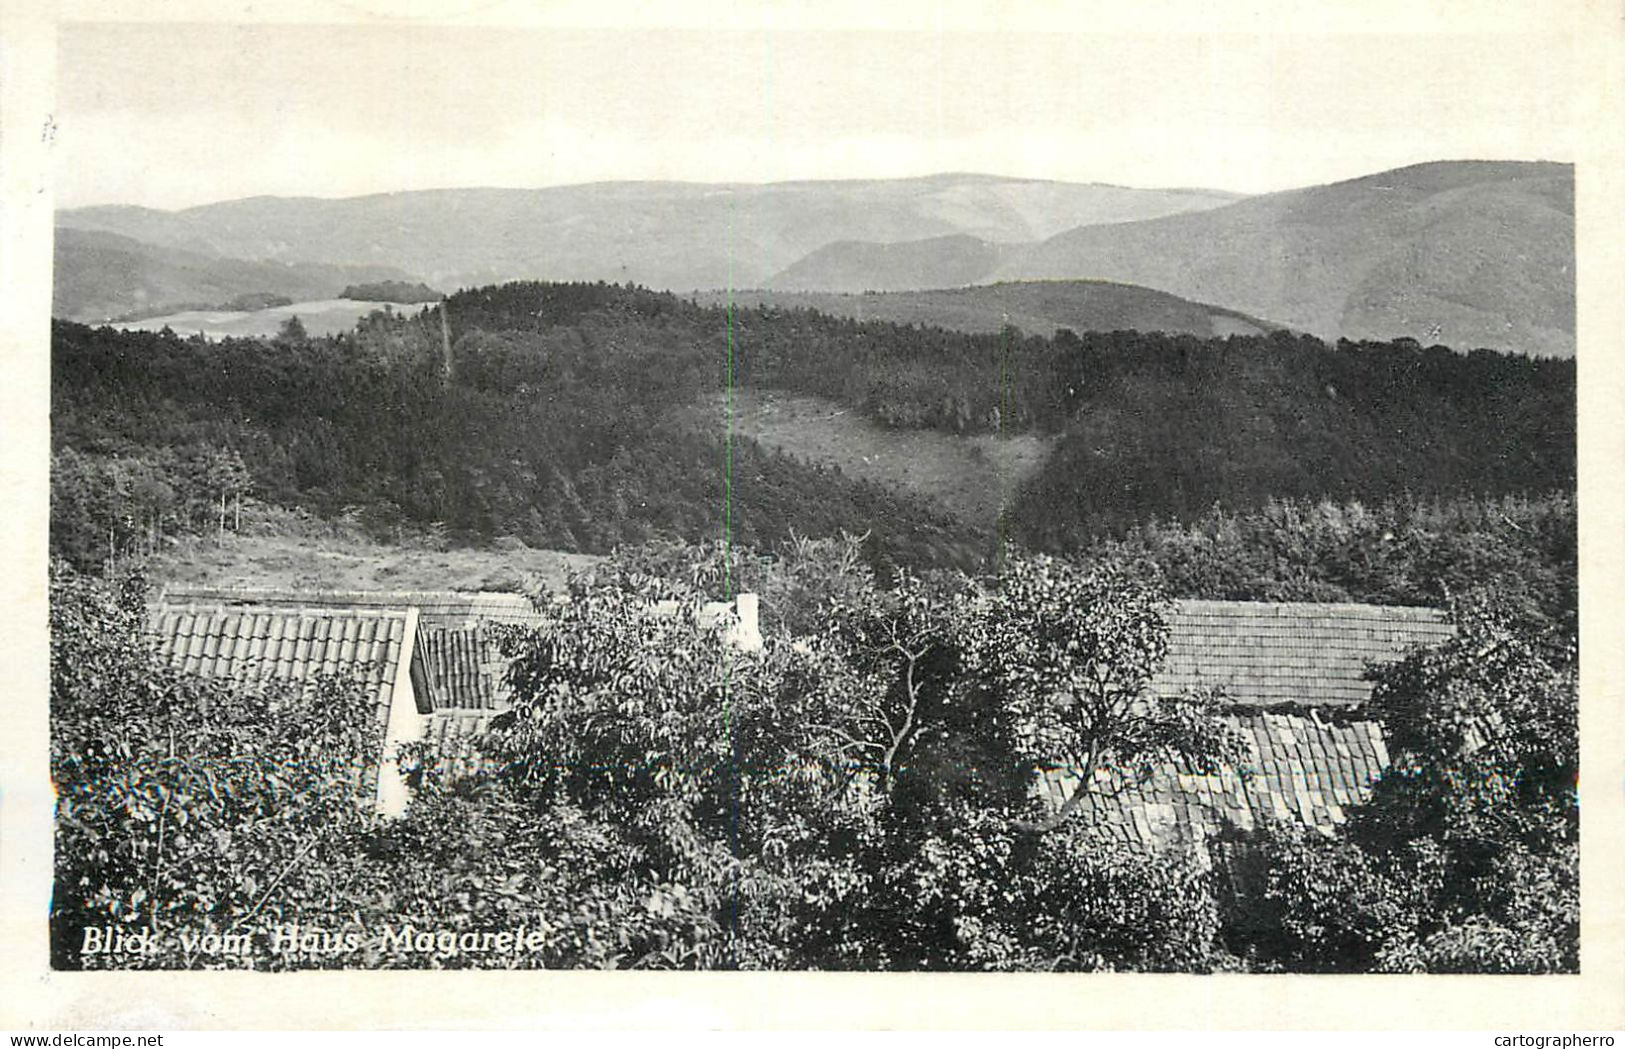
column 1485, row 735
column 292, row 331
column 1073, row 653
column 941, row 699
column 188, row 807
column 894, row 682
column 1466, row 856
column 664, row 742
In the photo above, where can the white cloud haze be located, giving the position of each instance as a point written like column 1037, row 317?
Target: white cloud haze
column 169, row 116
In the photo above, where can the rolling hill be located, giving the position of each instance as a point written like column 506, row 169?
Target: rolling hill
column 677, row 236
column 866, row 265
column 99, row 276
column 1036, row 307
column 1465, row 253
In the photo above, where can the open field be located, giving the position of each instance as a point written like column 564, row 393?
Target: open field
column 971, row 477
column 320, row 317
column 335, row 563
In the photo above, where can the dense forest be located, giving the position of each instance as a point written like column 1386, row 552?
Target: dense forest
column 568, row 442
column 571, row 416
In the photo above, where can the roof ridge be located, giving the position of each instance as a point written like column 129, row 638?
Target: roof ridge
column 1191, row 603
column 459, row 595
column 213, row 608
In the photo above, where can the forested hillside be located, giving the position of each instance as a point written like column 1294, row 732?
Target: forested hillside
column 566, row 442
column 568, row 419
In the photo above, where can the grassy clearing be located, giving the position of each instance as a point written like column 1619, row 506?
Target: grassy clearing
column 973, row 478
column 355, row 563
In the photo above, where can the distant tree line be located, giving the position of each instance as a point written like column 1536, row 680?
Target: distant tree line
column 401, row 291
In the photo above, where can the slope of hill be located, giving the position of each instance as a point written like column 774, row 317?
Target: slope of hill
column 665, row 235
column 866, row 265
column 1036, row 307
column 1465, row 253
column 101, row 275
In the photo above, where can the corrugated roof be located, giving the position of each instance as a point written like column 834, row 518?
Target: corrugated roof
column 1300, row 769
column 1266, row 653
column 249, row 643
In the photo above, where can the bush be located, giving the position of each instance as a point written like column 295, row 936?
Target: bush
column 190, row 808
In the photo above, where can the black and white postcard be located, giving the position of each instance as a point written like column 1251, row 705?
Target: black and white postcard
column 1081, row 494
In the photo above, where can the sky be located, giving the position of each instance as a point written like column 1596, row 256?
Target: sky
column 173, row 115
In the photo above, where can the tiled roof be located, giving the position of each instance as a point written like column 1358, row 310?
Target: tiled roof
column 1263, row 653
column 246, row 643
column 464, row 668
column 1300, row 769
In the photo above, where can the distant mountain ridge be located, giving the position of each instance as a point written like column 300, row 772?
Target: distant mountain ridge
column 677, row 236
column 98, row 276
column 1466, row 253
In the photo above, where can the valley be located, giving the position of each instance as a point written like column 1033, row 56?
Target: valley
column 319, row 317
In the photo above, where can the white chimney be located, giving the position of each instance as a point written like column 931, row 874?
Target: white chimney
column 746, row 635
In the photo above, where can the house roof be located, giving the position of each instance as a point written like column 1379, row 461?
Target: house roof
column 1306, row 770
column 258, row 643
column 460, row 661
column 464, row 668
column 1264, row 653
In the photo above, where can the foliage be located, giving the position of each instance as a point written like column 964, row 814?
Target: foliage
column 188, row 807
column 1169, row 428
column 579, row 441
column 105, row 508
column 1090, row 906
column 1465, row 858
column 852, row 798
column 857, row 795
column 1523, row 550
column 401, row 291
column 1074, row 655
